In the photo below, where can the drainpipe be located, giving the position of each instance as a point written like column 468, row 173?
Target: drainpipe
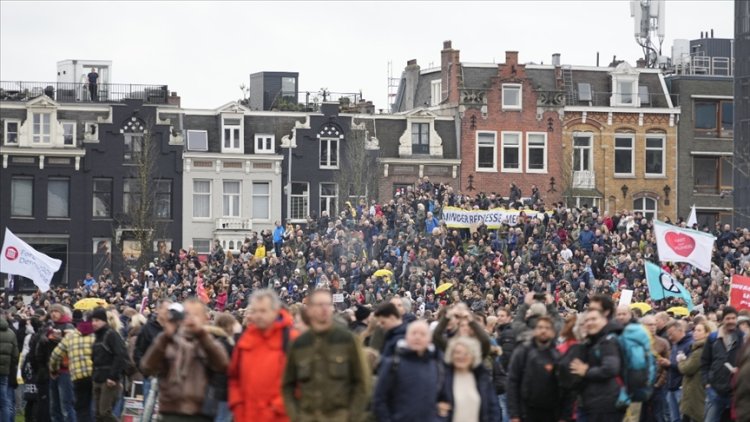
column 289, row 182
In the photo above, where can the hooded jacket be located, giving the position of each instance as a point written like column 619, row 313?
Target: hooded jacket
column 600, row 388
column 8, row 349
column 392, row 337
column 256, row 370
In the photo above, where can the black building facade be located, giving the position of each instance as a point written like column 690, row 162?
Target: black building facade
column 273, row 90
column 742, row 113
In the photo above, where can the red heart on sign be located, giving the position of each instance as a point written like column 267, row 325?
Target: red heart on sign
column 682, row 244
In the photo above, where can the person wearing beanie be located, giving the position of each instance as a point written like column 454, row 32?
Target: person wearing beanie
column 76, row 349
column 109, row 357
column 719, row 355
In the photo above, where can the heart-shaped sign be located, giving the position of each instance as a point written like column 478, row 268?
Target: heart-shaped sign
column 681, row 244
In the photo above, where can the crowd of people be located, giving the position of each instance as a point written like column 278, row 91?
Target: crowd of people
column 382, row 312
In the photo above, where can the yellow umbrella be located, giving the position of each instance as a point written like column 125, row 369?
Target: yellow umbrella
column 89, row 303
column 679, row 310
column 386, row 274
column 443, row 287
column 642, row 306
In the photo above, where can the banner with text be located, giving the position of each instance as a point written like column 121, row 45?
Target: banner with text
column 739, row 295
column 494, row 219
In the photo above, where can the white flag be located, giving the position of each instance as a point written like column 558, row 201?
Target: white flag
column 676, row 244
column 692, row 220
column 18, row 258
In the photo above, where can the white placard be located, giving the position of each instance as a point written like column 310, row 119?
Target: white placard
column 338, row 298
column 626, row 297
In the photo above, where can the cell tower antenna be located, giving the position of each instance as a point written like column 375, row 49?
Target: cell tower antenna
column 649, row 19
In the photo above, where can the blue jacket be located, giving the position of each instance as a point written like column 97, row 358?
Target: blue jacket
column 392, row 338
column 674, row 376
column 408, row 385
column 587, row 239
column 430, row 224
column 278, row 234
column 489, row 409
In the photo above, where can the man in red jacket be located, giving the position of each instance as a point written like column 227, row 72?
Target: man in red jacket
column 259, row 359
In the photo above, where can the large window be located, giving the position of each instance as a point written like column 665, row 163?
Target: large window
column 300, row 200
column 624, row 154
column 511, row 151
column 329, row 153
column 264, row 143
column 655, row 155
column 261, row 200
column 712, row 174
column 41, row 129
column 163, row 196
column 288, row 86
column 11, row 132
column 69, row 133
column 133, row 148
column 201, row 199
column 131, row 196
column 231, row 135
column 329, row 193
column 197, row 140
column 22, row 197
column 436, row 92
column 486, row 151
column 231, row 198
column 102, row 201
column 582, row 153
column 646, row 206
column 714, row 118
column 58, row 198
column 420, row 138
column 511, row 96
column 536, row 152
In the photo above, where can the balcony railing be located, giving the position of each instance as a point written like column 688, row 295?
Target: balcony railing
column 618, row 99
column 699, row 65
column 234, row 224
column 76, row 92
column 311, row 101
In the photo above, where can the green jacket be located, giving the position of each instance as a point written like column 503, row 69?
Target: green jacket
column 693, row 391
column 326, row 378
column 8, row 350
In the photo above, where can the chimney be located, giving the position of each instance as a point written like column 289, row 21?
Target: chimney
column 450, row 63
column 640, row 63
column 411, row 78
column 173, row 99
column 511, row 58
column 712, row 33
column 556, row 59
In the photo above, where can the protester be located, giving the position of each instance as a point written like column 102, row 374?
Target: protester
column 8, row 365
column 60, row 399
column 719, row 356
column 146, row 338
column 654, row 409
column 681, row 347
column 109, row 357
column 693, row 392
column 76, row 349
column 389, row 319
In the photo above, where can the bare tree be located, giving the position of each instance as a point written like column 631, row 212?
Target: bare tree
column 356, row 177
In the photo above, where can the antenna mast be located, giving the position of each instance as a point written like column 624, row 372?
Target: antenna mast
column 648, row 17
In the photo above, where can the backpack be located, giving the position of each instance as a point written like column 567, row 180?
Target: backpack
column 638, row 368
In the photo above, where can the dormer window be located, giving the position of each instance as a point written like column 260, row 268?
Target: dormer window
column 42, row 128
column 69, row 133
column 625, row 92
column 231, row 135
column 11, row 132
column 511, row 96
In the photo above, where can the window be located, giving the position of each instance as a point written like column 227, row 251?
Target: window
column 201, row 199
column 536, row 152
column 711, row 175
column 163, row 196
column 582, row 153
column 624, row 154
column 655, row 155
column 41, row 128
column 511, row 151
column 58, row 198
column 436, row 92
column 511, row 96
column 231, row 198
column 329, row 153
column 197, row 140
column 300, row 200
column 264, row 144
column 420, row 138
column 202, row 246
column 69, row 133
column 288, row 86
column 261, row 200
column 643, row 96
column 22, row 197
column 133, row 148
column 486, row 151
column 625, row 92
column 714, row 118
column 646, row 206
column 131, row 196
column 11, row 132
column 231, row 135
column 329, row 193
column 102, row 206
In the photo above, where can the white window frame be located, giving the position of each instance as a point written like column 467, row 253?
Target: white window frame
column 237, row 196
column 518, row 106
column 267, row 195
column 518, row 148
column 240, row 146
column 187, row 144
column 590, row 149
column 632, row 154
column 260, row 144
column 41, row 135
column 618, row 93
column 17, row 132
column 494, row 152
column 209, row 194
column 328, row 166
column 307, row 203
column 663, row 149
column 63, row 123
column 529, row 135
column 436, row 92
column 643, row 209
column 328, row 198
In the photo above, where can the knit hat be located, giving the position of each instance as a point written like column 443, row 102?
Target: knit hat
column 361, row 313
column 100, row 314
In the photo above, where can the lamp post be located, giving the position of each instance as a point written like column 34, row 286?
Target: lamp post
column 624, row 190
column 471, row 183
column 552, row 185
column 666, row 190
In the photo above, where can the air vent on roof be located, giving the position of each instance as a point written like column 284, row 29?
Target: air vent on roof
column 197, row 140
column 643, row 94
column 584, row 91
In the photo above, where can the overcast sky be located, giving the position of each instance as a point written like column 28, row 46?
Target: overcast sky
column 204, row 51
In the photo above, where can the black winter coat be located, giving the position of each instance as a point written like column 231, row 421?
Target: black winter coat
column 108, row 355
column 145, row 338
column 532, row 379
column 715, row 356
column 490, row 408
column 600, row 388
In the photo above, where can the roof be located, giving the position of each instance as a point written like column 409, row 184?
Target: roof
column 601, row 87
column 389, row 131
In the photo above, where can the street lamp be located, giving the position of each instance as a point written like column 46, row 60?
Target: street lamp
column 666, row 190
column 624, row 190
column 471, row 183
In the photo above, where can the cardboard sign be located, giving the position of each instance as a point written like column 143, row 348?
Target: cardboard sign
column 626, row 296
column 739, row 294
column 338, row 298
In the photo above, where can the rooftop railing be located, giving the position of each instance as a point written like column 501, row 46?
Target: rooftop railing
column 311, row 101
column 77, row 92
column 700, row 65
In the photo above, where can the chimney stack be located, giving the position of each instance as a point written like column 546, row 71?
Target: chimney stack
column 450, row 62
column 174, row 99
column 411, row 78
column 511, row 58
column 556, row 59
column 712, row 33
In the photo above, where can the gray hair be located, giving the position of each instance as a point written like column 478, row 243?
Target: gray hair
column 266, row 294
column 471, row 344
